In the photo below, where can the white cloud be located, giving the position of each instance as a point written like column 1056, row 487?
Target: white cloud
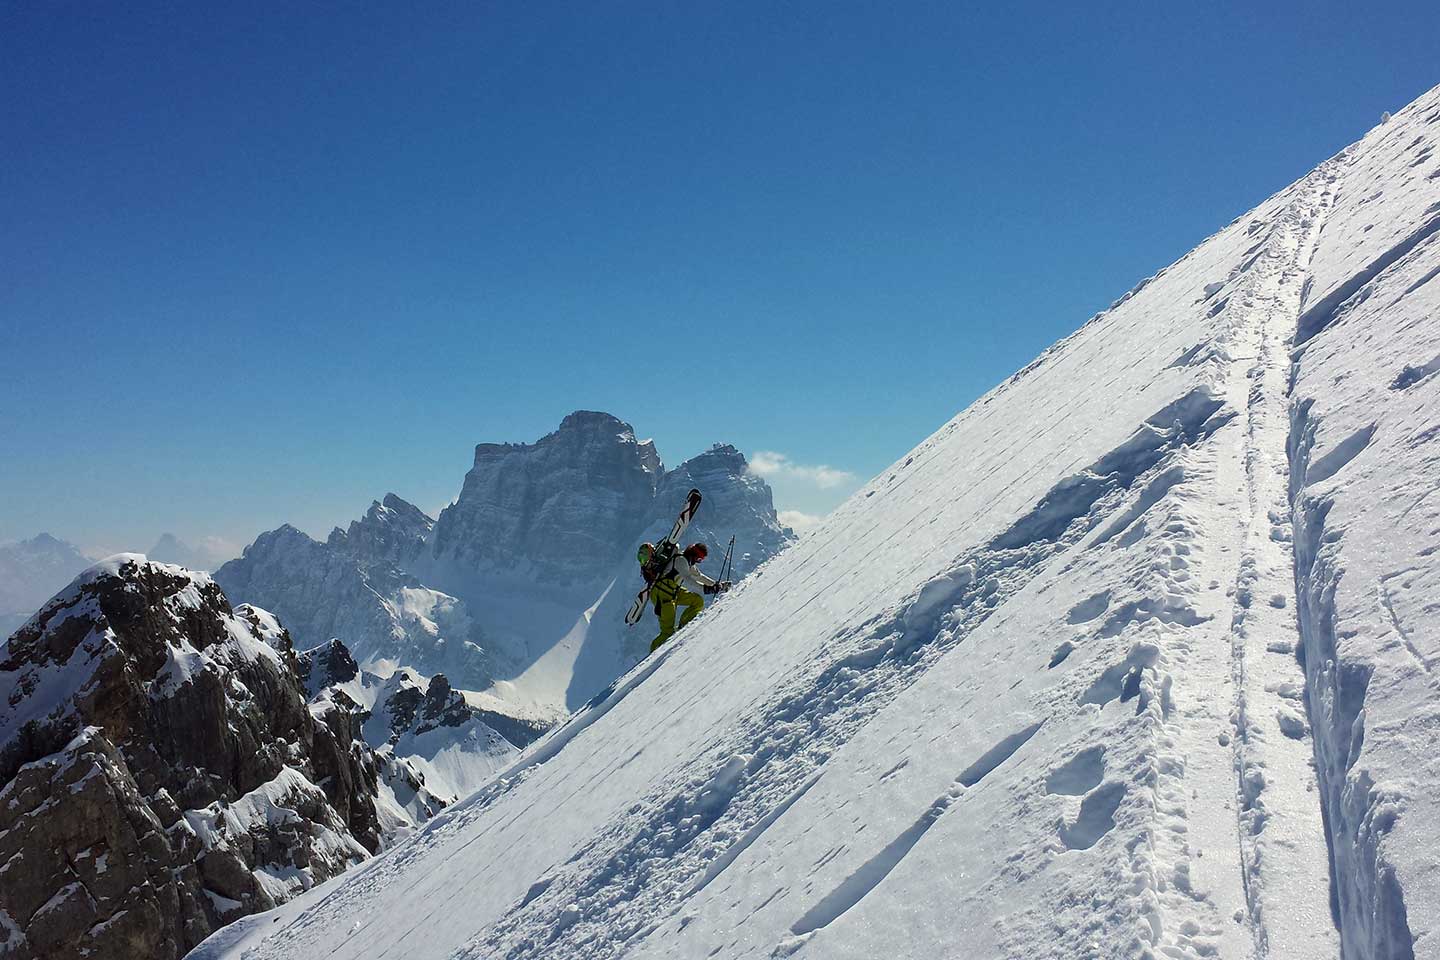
column 801, row 523
column 768, row 463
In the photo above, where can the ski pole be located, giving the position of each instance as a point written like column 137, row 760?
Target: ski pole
column 727, row 564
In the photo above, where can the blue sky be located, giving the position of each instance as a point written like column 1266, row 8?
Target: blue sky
column 263, row 263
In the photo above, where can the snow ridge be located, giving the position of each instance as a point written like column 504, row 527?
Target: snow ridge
column 1361, row 485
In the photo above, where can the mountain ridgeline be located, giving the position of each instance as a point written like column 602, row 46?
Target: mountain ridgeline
column 510, row 590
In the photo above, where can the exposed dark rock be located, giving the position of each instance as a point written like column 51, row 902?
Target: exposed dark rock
column 163, row 774
column 326, row 665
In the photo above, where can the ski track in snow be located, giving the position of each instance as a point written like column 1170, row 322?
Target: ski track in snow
column 1133, row 658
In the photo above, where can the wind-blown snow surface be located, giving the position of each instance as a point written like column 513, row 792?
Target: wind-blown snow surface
column 1045, row 688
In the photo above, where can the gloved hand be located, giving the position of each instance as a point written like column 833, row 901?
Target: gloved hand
column 722, row 586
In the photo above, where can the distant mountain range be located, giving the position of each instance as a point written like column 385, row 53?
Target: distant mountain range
column 198, row 761
column 209, row 555
column 518, row 588
column 32, row 571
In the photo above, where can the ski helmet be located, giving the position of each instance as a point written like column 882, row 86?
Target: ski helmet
column 696, row 552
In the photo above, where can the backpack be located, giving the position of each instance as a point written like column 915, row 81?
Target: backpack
column 655, row 559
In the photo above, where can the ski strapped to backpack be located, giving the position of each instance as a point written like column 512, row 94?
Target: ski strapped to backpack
column 655, row 559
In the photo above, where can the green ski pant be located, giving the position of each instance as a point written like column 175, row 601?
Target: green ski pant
column 669, row 596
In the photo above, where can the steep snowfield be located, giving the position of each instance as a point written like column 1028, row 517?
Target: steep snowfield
column 1046, row 687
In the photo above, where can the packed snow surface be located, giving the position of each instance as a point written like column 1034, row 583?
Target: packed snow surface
column 1118, row 663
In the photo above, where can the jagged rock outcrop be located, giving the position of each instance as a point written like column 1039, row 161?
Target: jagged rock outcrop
column 326, row 665
column 431, row 745
column 162, row 774
column 392, row 532
column 354, row 587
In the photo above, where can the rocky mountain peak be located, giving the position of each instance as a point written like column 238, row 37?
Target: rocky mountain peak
column 721, row 457
column 404, row 509
column 444, row 705
column 392, row 530
column 160, row 743
column 399, row 514
column 324, row 666
column 558, row 510
column 538, row 533
column 285, row 534
column 592, row 422
column 143, row 609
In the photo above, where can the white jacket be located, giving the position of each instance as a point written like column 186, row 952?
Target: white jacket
column 689, row 575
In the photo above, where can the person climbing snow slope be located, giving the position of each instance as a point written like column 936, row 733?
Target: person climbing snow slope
column 682, row 585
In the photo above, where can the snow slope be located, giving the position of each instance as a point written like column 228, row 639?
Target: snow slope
column 1115, row 664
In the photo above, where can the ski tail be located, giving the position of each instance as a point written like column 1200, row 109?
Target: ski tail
column 632, row 616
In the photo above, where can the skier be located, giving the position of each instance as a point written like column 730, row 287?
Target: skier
column 682, row 585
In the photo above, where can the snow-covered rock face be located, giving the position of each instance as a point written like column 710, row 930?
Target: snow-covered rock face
column 509, row 592
column 392, row 531
column 559, row 511
column 161, row 772
column 353, row 587
column 30, row 573
column 1088, row 673
column 447, row 740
